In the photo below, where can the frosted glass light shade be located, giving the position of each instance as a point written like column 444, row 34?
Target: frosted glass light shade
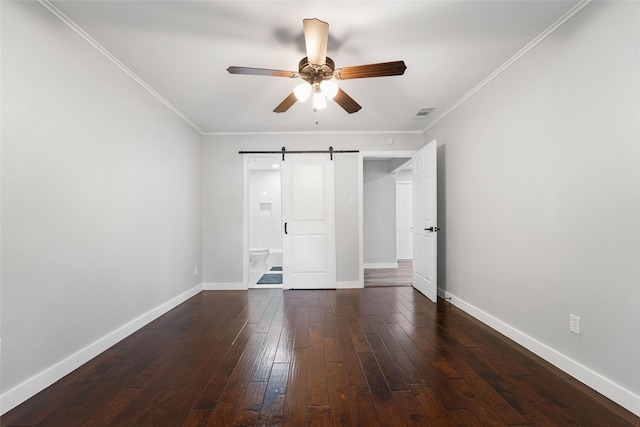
column 319, row 101
column 329, row 88
column 302, row 91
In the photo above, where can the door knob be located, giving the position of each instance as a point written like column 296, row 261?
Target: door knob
column 432, row 229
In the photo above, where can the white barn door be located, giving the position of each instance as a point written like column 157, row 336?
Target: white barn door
column 308, row 215
column 425, row 236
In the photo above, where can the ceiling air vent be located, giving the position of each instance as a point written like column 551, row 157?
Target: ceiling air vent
column 423, row 113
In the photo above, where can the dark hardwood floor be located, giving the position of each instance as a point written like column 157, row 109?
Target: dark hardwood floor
column 369, row 357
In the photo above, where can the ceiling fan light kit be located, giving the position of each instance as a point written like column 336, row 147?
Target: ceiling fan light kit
column 319, row 101
column 329, row 88
column 302, row 91
column 319, row 72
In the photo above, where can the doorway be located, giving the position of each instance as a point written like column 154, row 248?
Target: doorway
column 387, row 219
column 425, row 199
column 263, row 210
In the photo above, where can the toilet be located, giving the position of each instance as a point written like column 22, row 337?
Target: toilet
column 258, row 259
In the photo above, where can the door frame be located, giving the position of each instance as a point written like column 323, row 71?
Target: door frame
column 245, row 213
column 362, row 155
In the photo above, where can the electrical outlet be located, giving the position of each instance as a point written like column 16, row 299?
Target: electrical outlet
column 574, row 324
column 195, row 271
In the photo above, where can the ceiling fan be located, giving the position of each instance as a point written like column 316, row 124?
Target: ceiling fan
column 319, row 73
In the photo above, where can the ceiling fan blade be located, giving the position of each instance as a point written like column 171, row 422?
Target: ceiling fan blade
column 346, row 102
column 382, row 69
column 286, row 104
column 262, row 72
column 316, row 38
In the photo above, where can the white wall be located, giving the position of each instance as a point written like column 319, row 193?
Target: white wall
column 223, row 186
column 347, row 183
column 539, row 191
column 265, row 216
column 379, row 217
column 101, row 202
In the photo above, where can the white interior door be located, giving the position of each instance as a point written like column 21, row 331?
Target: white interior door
column 425, row 236
column 308, row 215
column 404, row 220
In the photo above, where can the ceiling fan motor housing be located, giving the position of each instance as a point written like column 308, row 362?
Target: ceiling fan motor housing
column 313, row 73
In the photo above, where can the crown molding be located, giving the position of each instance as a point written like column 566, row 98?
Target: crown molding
column 326, row 132
column 65, row 19
column 564, row 18
column 75, row 27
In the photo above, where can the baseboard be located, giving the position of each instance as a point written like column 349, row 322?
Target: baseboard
column 15, row 396
column 381, row 265
column 232, row 286
column 623, row 397
column 349, row 284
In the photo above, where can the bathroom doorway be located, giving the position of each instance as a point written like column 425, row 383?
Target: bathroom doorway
column 263, row 219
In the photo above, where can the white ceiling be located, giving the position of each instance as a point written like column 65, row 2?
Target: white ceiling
column 182, row 49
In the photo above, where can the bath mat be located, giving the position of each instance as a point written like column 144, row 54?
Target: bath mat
column 270, row 279
column 276, row 268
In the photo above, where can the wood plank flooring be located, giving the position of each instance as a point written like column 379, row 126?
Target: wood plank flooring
column 401, row 276
column 382, row 356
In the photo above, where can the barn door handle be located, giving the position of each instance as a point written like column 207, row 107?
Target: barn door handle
column 285, row 228
column 432, row 229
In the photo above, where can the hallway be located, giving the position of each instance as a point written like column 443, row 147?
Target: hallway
column 401, row 276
